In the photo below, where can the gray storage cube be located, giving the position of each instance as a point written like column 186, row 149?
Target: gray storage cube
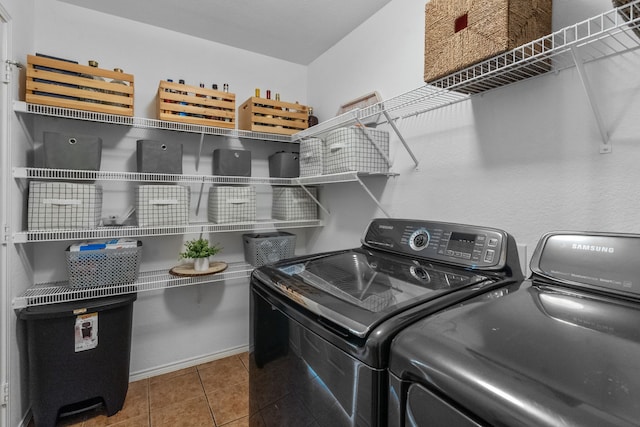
column 284, row 165
column 72, row 151
column 228, row 162
column 158, row 205
column 231, row 204
column 159, row 157
column 293, row 203
column 63, row 205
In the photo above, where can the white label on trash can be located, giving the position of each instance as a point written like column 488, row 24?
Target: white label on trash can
column 86, row 332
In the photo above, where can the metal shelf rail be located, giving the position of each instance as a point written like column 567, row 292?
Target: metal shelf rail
column 143, row 123
column 610, row 33
column 59, row 292
column 130, row 231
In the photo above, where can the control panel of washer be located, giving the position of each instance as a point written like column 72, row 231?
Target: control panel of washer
column 475, row 247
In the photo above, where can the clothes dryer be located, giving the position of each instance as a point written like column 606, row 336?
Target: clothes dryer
column 560, row 349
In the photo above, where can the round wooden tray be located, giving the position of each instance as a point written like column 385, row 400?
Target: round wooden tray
column 186, row 270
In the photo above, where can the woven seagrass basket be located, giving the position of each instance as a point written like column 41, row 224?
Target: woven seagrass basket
column 626, row 15
column 460, row 33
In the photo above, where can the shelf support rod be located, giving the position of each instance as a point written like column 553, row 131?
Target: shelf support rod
column 605, row 147
column 397, row 131
column 372, row 196
column 200, row 197
column 199, row 151
column 317, row 202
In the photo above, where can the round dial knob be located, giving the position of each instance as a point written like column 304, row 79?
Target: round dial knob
column 419, row 239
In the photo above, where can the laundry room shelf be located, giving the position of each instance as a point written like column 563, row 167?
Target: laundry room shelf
column 142, row 123
column 129, row 231
column 59, row 292
column 599, row 37
column 88, row 175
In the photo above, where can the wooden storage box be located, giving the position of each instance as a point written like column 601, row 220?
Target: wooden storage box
column 63, row 84
column 461, row 33
column 270, row 116
column 196, row 105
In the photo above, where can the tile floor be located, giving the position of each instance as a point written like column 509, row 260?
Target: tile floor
column 214, row 394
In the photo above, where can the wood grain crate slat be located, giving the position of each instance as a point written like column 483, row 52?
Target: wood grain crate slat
column 60, row 83
column 196, row 105
column 271, row 116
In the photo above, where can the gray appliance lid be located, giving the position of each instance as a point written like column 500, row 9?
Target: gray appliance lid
column 603, row 262
column 357, row 289
column 530, row 354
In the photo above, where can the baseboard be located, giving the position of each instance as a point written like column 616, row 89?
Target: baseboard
column 187, row 363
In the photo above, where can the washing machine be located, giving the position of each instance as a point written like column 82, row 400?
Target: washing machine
column 559, row 349
column 322, row 325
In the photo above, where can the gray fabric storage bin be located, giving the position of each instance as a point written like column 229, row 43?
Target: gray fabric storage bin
column 158, row 205
column 72, row 151
column 284, row 165
column 63, row 205
column 349, row 149
column 228, row 162
column 311, row 157
column 158, row 157
column 293, row 203
column 231, row 204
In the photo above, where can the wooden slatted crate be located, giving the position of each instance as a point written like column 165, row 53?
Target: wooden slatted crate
column 270, row 116
column 66, row 84
column 196, row 105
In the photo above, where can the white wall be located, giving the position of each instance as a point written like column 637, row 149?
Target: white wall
column 524, row 158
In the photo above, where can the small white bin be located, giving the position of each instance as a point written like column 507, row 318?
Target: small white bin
column 349, row 149
column 63, row 205
column 311, row 157
column 231, row 204
column 159, row 205
column 293, row 203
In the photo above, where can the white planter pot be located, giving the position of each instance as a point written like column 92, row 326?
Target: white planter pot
column 201, row 264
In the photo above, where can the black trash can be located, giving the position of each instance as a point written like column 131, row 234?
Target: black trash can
column 78, row 355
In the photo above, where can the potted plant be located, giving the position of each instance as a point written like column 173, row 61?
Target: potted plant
column 199, row 250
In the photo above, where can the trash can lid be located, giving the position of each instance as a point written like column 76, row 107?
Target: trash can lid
column 73, row 308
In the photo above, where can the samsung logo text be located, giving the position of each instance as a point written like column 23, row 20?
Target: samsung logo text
column 592, row 248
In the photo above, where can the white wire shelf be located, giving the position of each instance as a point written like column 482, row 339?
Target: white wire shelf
column 59, row 292
column 143, row 123
column 87, row 175
column 130, row 231
column 599, row 37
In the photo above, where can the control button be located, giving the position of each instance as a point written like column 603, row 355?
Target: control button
column 488, row 257
column 449, row 252
column 419, row 239
column 466, row 256
column 457, row 254
column 493, row 242
column 480, row 238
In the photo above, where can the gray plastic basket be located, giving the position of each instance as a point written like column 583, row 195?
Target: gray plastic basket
column 267, row 248
column 103, row 266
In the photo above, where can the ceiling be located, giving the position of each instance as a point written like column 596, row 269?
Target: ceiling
column 294, row 30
